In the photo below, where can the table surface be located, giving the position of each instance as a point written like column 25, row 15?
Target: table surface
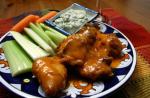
column 135, row 10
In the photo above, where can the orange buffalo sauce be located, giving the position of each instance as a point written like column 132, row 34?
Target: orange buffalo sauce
column 2, row 61
column 1, row 50
column 84, row 86
column 115, row 63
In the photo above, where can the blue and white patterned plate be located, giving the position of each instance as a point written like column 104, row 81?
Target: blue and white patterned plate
column 27, row 85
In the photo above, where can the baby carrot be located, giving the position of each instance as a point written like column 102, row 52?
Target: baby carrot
column 47, row 16
column 24, row 22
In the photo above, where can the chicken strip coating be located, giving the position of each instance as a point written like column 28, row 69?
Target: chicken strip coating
column 51, row 74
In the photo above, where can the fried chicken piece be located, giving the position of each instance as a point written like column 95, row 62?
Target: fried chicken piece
column 94, row 69
column 92, row 51
column 51, row 74
column 97, row 62
column 112, row 43
column 76, row 46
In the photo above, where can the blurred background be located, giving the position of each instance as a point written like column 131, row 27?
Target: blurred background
column 135, row 10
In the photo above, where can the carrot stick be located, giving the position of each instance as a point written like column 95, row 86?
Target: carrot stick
column 24, row 22
column 47, row 16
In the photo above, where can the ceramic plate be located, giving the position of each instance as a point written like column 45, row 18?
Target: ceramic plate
column 32, row 89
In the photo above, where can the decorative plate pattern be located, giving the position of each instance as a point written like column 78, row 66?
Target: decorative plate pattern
column 27, row 85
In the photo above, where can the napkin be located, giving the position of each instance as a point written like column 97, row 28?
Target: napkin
column 138, row 85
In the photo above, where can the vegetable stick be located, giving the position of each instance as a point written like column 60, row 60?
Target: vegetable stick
column 39, row 26
column 43, row 35
column 47, row 16
column 39, row 40
column 56, row 37
column 24, row 22
column 33, row 50
column 19, row 61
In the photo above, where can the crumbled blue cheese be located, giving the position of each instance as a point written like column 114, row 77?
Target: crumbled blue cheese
column 71, row 19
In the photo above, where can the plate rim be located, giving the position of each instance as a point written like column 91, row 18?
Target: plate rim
column 128, row 75
column 10, row 87
column 101, row 94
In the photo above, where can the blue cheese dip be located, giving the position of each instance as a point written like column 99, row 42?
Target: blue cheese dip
column 71, row 19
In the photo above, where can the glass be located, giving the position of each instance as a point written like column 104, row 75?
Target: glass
column 99, row 9
column 98, row 6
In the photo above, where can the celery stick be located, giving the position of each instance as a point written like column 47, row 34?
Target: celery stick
column 55, row 37
column 17, row 58
column 32, row 49
column 39, row 26
column 39, row 40
column 43, row 35
column 52, row 30
column 27, row 37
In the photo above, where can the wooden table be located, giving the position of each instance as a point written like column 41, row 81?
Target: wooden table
column 135, row 10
